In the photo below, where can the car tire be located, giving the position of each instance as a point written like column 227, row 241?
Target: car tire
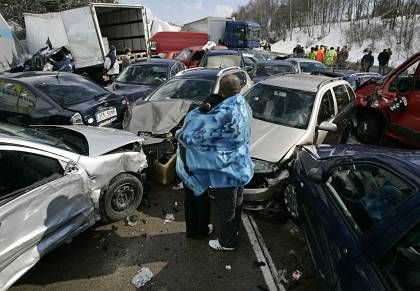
column 290, row 201
column 122, row 197
column 369, row 129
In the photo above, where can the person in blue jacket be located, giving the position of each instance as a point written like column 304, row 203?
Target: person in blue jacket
column 213, row 155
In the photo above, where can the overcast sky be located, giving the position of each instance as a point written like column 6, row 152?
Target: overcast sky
column 183, row 11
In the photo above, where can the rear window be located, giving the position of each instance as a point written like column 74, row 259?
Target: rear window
column 69, row 92
column 223, row 61
column 309, row 67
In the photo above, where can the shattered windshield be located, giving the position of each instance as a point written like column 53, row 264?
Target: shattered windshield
column 196, row 89
column 184, row 55
column 147, row 74
column 284, row 106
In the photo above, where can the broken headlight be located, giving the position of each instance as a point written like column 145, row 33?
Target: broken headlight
column 261, row 166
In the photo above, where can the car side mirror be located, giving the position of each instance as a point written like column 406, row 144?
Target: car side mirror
column 327, row 126
column 316, row 175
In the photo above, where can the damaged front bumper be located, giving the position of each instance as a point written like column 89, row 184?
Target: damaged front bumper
column 263, row 188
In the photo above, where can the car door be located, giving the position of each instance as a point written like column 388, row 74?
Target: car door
column 326, row 112
column 9, row 96
column 406, row 123
column 345, row 111
column 43, row 202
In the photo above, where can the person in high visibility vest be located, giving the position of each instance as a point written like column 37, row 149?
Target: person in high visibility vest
column 320, row 55
column 331, row 57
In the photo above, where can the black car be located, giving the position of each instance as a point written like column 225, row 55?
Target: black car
column 141, row 78
column 265, row 69
column 57, row 98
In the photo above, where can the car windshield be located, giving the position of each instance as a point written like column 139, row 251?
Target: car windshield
column 272, row 69
column 191, row 89
column 35, row 135
column 184, row 55
column 309, row 67
column 146, row 74
column 69, row 92
column 223, row 61
column 253, row 33
column 284, row 106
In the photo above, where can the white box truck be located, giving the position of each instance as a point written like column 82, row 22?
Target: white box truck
column 87, row 31
column 213, row 26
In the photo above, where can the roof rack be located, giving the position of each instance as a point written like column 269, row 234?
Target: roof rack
column 222, row 71
column 325, row 82
column 188, row 70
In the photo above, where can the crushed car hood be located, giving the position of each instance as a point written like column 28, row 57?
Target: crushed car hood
column 155, row 117
column 132, row 91
column 270, row 141
column 101, row 140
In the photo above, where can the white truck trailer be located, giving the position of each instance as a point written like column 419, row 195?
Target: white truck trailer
column 88, row 31
column 12, row 53
column 213, row 26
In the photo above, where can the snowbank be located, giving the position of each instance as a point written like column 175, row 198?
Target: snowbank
column 336, row 37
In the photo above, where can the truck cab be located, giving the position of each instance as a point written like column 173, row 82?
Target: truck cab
column 242, row 34
column 391, row 106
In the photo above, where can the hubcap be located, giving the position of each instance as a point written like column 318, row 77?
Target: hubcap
column 123, row 197
column 290, row 200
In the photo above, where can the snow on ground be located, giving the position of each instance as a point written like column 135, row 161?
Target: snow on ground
column 336, row 37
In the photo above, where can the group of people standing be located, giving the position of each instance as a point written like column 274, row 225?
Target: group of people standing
column 332, row 57
column 383, row 60
column 112, row 66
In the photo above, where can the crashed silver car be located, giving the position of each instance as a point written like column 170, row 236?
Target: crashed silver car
column 291, row 110
column 57, row 181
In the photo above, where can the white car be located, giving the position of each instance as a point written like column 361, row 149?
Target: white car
column 57, row 181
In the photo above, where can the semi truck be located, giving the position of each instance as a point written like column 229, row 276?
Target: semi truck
column 228, row 31
column 89, row 31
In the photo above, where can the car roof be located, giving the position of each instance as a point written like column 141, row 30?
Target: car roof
column 411, row 157
column 223, row 52
column 297, row 81
column 32, row 77
column 274, row 62
column 202, row 72
column 303, row 60
column 155, row 61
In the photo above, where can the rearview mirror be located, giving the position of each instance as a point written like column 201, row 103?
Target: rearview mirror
column 327, row 126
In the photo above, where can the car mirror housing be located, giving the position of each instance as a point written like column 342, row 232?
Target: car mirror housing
column 327, row 126
column 316, row 175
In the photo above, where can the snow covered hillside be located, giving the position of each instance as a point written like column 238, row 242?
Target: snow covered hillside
column 337, row 37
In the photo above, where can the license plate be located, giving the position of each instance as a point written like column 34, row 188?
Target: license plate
column 107, row 114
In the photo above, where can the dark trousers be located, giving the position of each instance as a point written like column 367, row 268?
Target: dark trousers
column 197, row 214
column 229, row 202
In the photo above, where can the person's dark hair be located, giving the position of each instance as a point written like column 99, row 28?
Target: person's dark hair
column 229, row 85
column 332, row 48
column 112, row 48
column 127, row 50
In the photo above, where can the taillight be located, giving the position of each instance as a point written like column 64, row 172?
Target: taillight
column 76, row 119
column 125, row 102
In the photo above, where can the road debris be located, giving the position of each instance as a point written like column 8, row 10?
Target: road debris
column 132, row 220
column 169, row 217
column 143, row 276
column 228, row 267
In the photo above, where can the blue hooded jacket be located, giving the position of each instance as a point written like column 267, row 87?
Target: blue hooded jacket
column 216, row 146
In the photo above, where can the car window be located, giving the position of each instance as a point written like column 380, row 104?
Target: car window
column 401, row 265
column 196, row 89
column 341, row 96
column 284, row 106
column 174, row 70
column 308, row 67
column 145, row 74
column 9, row 95
column 223, row 61
column 33, row 170
column 351, row 93
column 242, row 78
column 404, row 81
column 367, row 193
column 26, row 101
column 197, row 56
column 184, row 55
column 326, row 108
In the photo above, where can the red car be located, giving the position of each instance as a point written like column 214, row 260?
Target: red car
column 191, row 56
column 391, row 107
column 167, row 43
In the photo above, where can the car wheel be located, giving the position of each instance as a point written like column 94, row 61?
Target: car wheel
column 369, row 129
column 290, row 200
column 122, row 197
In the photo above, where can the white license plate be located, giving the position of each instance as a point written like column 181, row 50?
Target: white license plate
column 107, row 114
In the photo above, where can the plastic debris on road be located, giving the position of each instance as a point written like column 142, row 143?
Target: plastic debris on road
column 132, row 220
column 143, row 276
column 228, row 267
column 169, row 217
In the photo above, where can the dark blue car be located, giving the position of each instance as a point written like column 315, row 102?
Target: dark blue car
column 265, row 69
column 356, row 79
column 359, row 208
column 57, row 98
column 139, row 79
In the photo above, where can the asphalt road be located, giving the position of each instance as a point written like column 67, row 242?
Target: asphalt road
column 106, row 257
